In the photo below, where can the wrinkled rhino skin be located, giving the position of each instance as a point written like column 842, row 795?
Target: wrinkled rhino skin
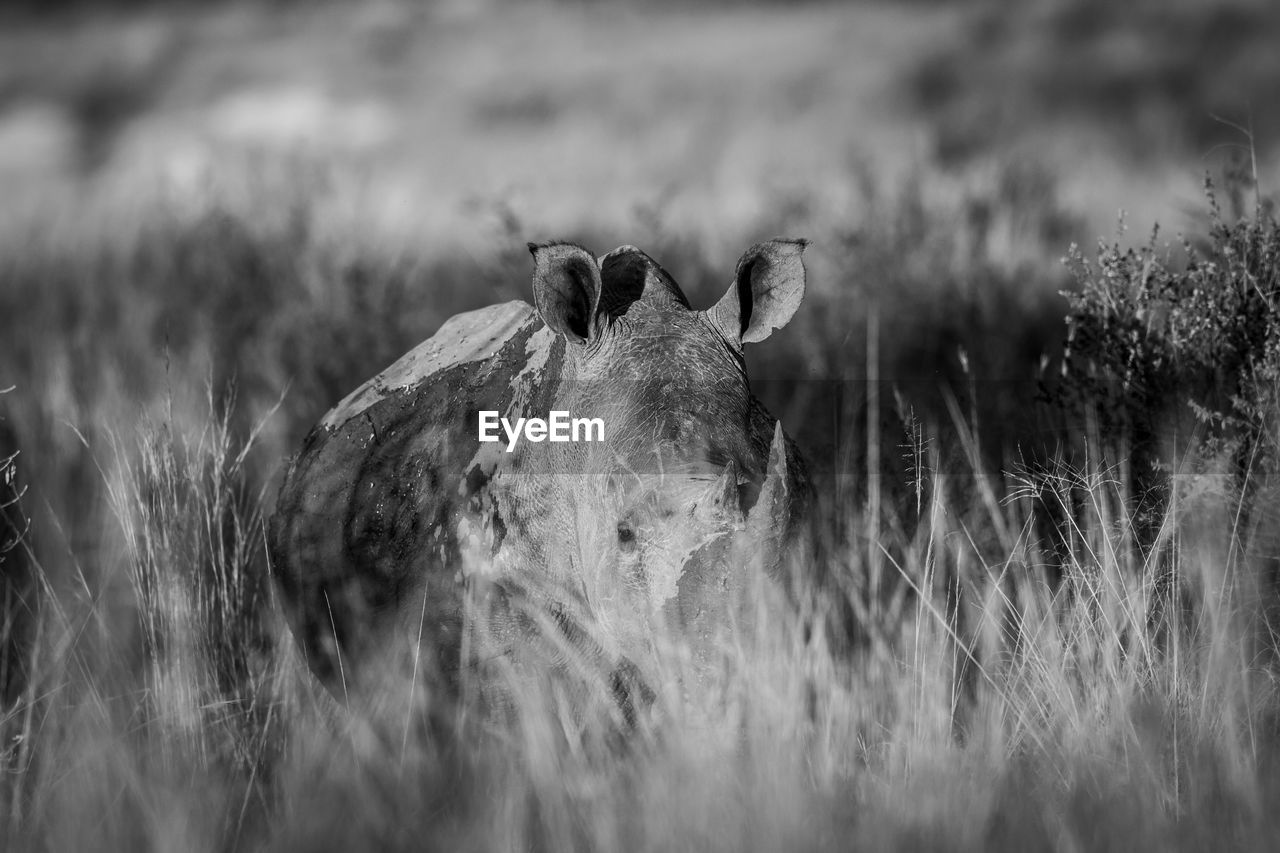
column 399, row 539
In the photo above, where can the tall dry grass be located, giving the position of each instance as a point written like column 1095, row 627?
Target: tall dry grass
column 1008, row 695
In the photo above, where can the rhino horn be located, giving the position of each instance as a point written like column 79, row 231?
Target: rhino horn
column 726, row 489
column 768, row 520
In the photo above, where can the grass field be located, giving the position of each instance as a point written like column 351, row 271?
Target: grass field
column 219, row 222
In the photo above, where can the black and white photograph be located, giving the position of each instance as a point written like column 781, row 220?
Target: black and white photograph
column 639, row 425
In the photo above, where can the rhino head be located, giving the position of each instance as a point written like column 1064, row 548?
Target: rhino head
column 694, row 485
column 399, row 536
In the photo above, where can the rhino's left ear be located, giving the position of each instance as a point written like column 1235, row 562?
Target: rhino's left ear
column 766, row 291
column 566, row 289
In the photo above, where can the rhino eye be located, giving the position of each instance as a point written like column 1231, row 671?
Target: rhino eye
column 626, row 533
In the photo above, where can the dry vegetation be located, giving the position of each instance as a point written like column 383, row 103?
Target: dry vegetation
column 1005, row 642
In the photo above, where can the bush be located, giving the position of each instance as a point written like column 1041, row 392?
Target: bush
column 1196, row 347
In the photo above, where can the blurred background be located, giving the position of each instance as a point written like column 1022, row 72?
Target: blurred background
column 282, row 197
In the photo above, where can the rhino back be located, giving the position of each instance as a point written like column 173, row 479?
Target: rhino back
column 369, row 512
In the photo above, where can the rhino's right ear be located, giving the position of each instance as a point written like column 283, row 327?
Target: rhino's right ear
column 766, row 291
column 566, row 289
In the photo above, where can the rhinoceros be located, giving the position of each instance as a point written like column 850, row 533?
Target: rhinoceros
column 399, row 535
